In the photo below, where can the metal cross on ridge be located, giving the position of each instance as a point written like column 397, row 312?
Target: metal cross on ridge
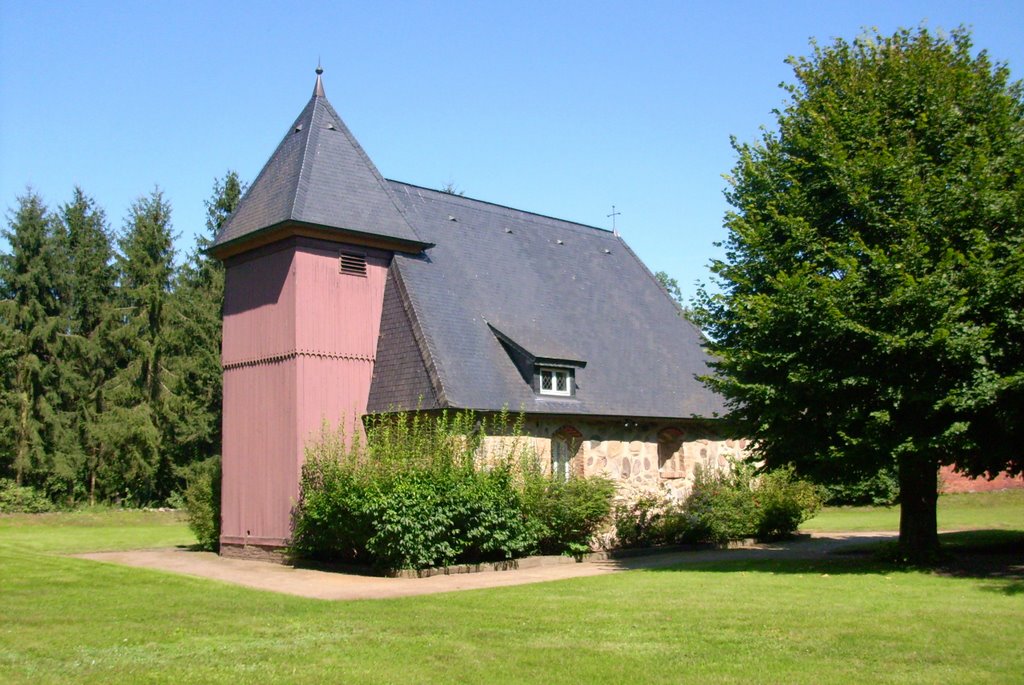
column 613, row 215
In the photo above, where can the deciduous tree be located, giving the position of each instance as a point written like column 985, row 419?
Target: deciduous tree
column 871, row 297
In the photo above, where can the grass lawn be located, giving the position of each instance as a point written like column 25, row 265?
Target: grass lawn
column 849, row 619
column 1003, row 509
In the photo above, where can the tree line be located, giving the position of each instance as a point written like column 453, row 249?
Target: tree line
column 110, row 377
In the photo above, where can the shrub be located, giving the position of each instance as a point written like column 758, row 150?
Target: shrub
column 640, row 523
column 721, row 505
column 737, row 504
column 202, row 501
column 491, row 516
column 22, row 499
column 333, row 519
column 784, row 503
column 423, row 491
column 565, row 514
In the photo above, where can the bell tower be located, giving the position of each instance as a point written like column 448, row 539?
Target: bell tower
column 306, row 255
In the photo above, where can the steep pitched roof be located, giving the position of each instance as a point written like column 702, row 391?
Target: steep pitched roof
column 318, row 175
column 498, row 278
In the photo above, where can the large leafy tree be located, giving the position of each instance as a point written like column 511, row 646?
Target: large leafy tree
column 869, row 311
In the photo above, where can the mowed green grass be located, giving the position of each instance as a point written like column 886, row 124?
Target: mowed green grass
column 837, row 621
column 1003, row 509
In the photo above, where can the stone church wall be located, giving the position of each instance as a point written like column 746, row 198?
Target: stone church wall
column 641, row 456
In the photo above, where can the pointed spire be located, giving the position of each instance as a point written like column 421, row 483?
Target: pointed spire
column 318, row 90
column 318, row 176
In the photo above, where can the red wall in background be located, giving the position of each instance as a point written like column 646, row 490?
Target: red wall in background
column 951, row 481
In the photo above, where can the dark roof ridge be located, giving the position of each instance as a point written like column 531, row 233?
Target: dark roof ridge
column 383, row 182
column 650, row 275
column 422, row 338
column 267, row 169
column 305, row 153
column 454, row 198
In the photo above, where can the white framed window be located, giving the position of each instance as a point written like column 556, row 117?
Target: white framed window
column 555, row 381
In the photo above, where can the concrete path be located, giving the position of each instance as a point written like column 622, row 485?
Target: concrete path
column 330, row 585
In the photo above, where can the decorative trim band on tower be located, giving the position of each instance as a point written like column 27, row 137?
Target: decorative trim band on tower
column 292, row 354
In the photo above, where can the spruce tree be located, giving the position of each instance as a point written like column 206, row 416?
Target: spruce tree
column 131, row 427
column 32, row 322
column 195, row 335
column 89, row 284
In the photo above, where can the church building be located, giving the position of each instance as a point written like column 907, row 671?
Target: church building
column 347, row 293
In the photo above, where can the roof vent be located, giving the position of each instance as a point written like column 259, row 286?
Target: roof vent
column 352, row 264
column 606, row 251
column 298, row 128
column 559, row 242
column 508, row 230
column 332, row 127
column 451, row 218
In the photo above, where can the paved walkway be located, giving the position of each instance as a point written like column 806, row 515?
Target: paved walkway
column 330, row 585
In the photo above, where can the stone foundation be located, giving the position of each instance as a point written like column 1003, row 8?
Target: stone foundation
column 276, row 554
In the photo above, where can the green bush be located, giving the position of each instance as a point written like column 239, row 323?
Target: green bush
column 22, row 499
column 564, row 515
column 422, row 491
column 202, row 501
column 736, row 504
column 784, row 502
column 721, row 505
column 640, row 523
column 333, row 520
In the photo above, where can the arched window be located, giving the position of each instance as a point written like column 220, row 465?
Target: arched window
column 670, row 453
column 565, row 449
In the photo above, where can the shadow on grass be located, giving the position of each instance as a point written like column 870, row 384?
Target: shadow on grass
column 992, row 555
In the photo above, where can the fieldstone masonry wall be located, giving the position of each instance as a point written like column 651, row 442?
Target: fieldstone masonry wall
column 641, row 456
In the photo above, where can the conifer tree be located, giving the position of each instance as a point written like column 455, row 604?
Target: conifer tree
column 31, row 320
column 132, row 426
column 195, row 335
column 89, row 283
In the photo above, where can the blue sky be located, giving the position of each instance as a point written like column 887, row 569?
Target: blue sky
column 560, row 108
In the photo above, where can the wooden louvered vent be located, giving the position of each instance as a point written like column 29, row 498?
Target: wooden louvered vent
column 353, row 264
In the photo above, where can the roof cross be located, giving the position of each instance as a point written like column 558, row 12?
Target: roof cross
column 614, row 214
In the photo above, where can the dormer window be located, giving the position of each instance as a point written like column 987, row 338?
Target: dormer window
column 555, row 381
column 546, row 366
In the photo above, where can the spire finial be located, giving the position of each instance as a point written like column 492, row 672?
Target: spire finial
column 318, row 89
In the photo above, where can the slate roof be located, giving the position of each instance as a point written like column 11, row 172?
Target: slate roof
column 483, row 291
column 559, row 290
column 318, row 175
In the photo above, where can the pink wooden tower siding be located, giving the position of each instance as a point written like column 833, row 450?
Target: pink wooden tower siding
column 299, row 344
column 306, row 255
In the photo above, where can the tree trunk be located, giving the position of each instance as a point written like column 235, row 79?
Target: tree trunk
column 919, row 495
